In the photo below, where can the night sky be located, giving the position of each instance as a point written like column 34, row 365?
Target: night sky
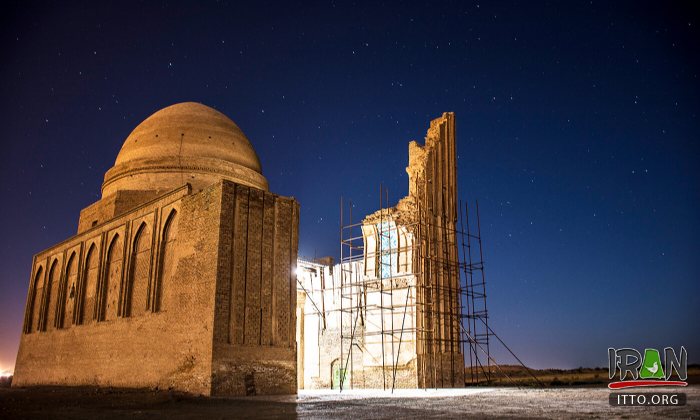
column 577, row 131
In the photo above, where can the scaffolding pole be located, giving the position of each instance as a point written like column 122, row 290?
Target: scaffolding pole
column 445, row 293
column 439, row 266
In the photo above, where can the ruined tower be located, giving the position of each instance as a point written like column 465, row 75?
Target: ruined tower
column 426, row 219
column 393, row 302
column 432, row 204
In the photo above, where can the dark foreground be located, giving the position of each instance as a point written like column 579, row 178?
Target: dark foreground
column 88, row 403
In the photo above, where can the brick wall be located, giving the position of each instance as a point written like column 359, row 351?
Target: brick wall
column 166, row 344
column 255, row 327
column 113, row 205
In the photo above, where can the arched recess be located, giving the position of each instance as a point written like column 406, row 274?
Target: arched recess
column 69, row 292
column 166, row 264
column 88, row 294
column 338, row 375
column 109, row 293
column 136, row 292
column 51, row 291
column 34, row 305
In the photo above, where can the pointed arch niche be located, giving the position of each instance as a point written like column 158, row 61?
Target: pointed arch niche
column 137, row 284
column 166, row 260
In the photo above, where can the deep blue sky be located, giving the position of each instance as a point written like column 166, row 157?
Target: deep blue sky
column 577, row 131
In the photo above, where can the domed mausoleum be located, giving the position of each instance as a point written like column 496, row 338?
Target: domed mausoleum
column 184, row 143
column 181, row 276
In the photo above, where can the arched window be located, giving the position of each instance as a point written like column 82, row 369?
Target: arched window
column 51, row 291
column 111, row 281
column 166, row 269
column 139, row 266
column 69, row 293
column 388, row 244
column 88, row 294
column 35, row 301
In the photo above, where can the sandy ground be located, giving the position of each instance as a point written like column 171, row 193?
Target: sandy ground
column 91, row 403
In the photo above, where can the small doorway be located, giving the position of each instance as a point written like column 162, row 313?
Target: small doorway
column 338, row 374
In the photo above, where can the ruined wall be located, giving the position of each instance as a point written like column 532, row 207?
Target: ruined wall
column 255, row 326
column 319, row 284
column 301, row 353
column 423, row 224
column 407, row 284
column 432, row 201
column 321, row 340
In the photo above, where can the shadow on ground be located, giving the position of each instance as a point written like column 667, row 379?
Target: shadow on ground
column 89, row 403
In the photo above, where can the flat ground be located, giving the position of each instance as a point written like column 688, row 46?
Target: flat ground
column 471, row 402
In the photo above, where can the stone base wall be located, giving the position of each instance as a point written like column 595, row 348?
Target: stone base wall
column 443, row 370
column 374, row 378
column 360, row 376
column 253, row 370
column 113, row 354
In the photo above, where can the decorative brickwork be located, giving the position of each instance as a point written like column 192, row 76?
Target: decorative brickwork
column 169, row 286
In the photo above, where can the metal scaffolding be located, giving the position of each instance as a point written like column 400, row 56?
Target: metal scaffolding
column 476, row 319
column 439, row 285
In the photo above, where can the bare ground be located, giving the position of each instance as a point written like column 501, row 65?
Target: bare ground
column 89, row 403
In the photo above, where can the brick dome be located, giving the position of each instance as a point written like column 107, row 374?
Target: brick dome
column 184, row 143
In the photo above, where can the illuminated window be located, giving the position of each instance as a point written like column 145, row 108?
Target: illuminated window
column 388, row 249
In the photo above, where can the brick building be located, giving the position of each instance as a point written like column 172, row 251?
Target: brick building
column 182, row 276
